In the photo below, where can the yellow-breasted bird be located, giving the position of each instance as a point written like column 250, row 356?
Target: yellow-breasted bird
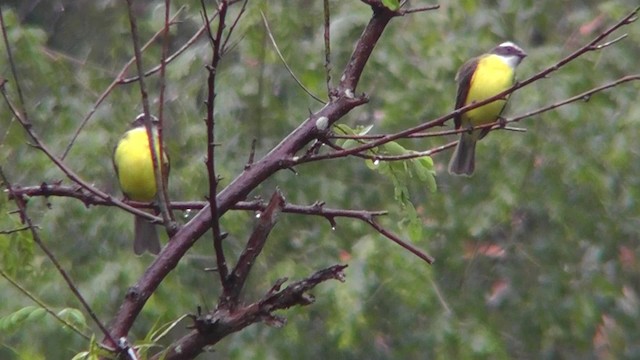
column 134, row 168
column 479, row 79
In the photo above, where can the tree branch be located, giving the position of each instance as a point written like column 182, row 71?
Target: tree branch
column 280, row 157
column 238, row 276
column 211, row 328
column 216, row 47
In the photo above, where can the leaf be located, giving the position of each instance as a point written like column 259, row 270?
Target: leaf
column 37, row 314
column 365, row 130
column 391, row 4
column 393, row 148
column 73, row 316
column 21, row 315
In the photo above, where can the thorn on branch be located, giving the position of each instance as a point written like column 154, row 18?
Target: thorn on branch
column 332, row 222
column 274, row 321
column 277, row 286
column 318, row 205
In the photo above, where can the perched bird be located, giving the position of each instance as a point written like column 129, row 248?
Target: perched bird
column 479, row 79
column 134, row 167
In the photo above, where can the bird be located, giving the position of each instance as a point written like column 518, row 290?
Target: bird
column 134, row 169
column 478, row 79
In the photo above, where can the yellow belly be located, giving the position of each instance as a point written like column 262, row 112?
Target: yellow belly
column 135, row 166
column 491, row 77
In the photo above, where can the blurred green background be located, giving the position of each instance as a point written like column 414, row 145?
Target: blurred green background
column 537, row 254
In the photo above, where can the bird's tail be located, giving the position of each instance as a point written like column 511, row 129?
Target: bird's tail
column 146, row 237
column 463, row 159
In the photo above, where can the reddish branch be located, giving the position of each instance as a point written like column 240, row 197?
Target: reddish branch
column 156, row 157
column 316, row 209
column 216, row 46
column 266, row 222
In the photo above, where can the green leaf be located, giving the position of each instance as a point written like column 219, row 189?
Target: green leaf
column 391, row 4
column 37, row 314
column 21, row 315
column 393, row 149
column 73, row 316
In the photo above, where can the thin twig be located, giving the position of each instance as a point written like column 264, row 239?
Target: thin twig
column 275, row 46
column 389, row 235
column 192, row 40
column 14, row 71
column 327, row 44
column 419, row 9
column 158, row 167
column 216, row 43
column 585, row 96
column 233, row 26
column 13, row 231
column 165, row 210
column 40, row 303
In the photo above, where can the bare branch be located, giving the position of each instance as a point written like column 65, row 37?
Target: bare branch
column 238, row 277
column 216, row 43
column 419, row 9
column 414, row 250
column 317, row 209
column 233, row 25
column 158, row 168
column 165, row 210
column 211, row 328
column 585, row 96
column 173, row 56
column 14, row 72
column 327, row 44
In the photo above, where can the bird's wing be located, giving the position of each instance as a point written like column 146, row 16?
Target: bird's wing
column 463, row 77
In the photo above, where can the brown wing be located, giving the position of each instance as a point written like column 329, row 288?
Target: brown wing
column 463, row 77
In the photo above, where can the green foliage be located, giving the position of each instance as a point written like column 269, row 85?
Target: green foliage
column 391, row 4
column 536, row 255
